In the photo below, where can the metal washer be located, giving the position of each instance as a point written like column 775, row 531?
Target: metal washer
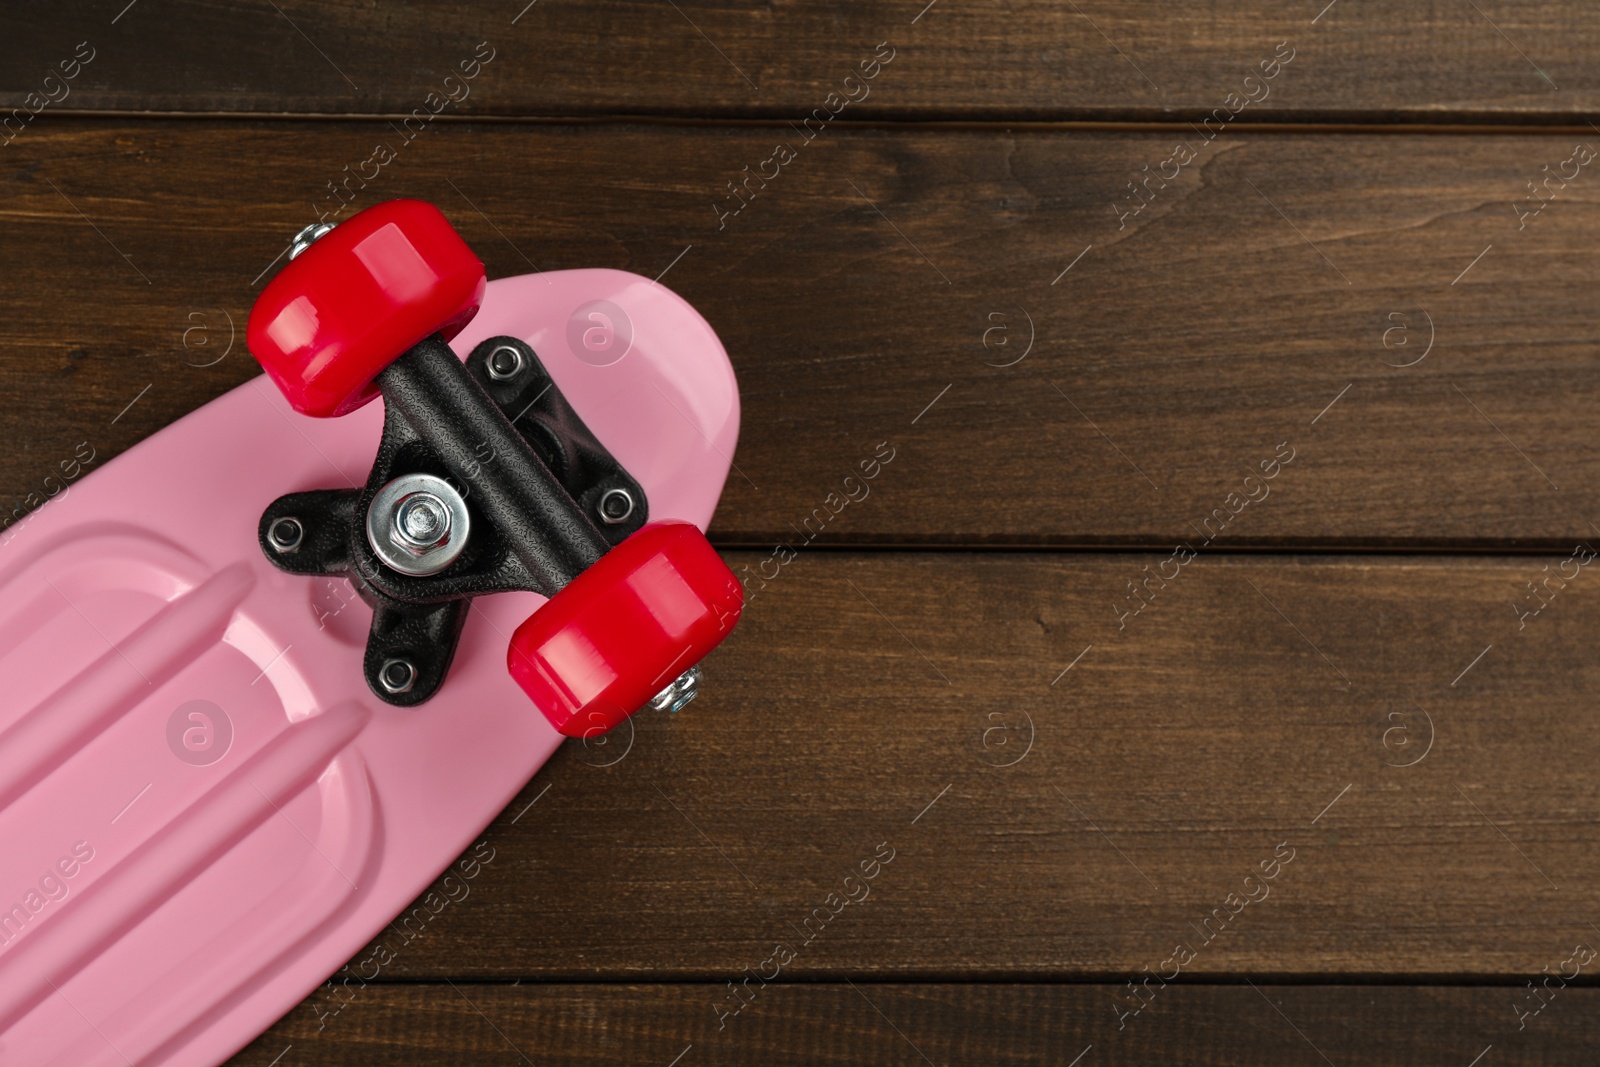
column 518, row 363
column 396, row 686
column 386, row 541
column 603, row 507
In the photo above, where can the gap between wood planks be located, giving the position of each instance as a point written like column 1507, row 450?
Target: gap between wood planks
column 1533, row 124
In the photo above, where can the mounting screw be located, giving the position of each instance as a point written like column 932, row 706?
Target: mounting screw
column 285, row 534
column 615, row 506
column 505, row 363
column 303, row 239
column 676, row 696
column 397, row 676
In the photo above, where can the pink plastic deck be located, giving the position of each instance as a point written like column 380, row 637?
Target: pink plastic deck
column 205, row 812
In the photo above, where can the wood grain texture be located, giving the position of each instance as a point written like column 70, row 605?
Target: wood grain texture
column 1085, row 766
column 1429, row 802
column 1272, row 296
column 1000, row 1024
column 1381, row 60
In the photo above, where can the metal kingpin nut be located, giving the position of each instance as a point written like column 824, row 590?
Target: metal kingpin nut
column 303, row 239
column 421, row 522
column 676, row 696
column 418, row 524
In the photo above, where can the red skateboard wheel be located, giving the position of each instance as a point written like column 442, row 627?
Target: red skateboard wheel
column 358, row 298
column 624, row 629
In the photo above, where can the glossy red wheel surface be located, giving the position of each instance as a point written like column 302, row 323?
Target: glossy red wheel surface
column 624, row 629
column 360, row 296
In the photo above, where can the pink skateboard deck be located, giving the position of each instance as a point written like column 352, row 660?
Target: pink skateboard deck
column 205, row 811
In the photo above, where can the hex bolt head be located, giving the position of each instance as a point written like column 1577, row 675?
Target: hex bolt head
column 418, row 524
column 421, row 522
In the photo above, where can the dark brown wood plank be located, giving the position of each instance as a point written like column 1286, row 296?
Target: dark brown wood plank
column 1265, row 303
column 1333, row 735
column 814, row 1024
column 1035, row 59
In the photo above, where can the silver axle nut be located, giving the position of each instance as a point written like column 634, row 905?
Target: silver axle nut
column 418, row 524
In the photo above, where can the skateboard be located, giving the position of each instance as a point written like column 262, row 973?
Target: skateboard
column 272, row 670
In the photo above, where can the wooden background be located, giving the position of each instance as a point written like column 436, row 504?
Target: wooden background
column 1384, row 665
